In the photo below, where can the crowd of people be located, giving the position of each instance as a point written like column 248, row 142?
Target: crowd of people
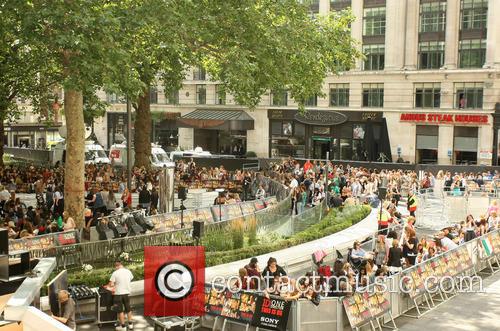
column 397, row 245
column 106, row 193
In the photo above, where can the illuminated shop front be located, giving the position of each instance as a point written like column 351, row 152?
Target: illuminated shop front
column 325, row 134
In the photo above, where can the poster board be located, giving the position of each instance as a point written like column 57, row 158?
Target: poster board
column 234, row 212
column 247, row 208
column 259, row 205
column 188, row 216
column 248, row 307
column 357, row 310
column 205, row 215
column 219, row 213
column 66, row 238
column 408, row 283
column 271, row 202
column 46, row 241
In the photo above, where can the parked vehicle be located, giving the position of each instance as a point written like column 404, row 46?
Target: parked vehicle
column 159, row 158
column 197, row 152
column 94, row 153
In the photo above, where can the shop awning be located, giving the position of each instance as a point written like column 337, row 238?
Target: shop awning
column 215, row 119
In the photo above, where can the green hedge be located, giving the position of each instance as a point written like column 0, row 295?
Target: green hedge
column 336, row 220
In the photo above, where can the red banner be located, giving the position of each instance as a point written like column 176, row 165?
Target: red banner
column 444, row 118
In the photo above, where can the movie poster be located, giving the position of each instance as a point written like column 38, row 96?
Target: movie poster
column 216, row 301
column 205, row 215
column 408, row 283
column 247, row 208
column 247, row 307
column 230, row 309
column 234, row 212
column 357, row 310
column 66, row 238
column 271, row 202
column 271, row 313
column 259, row 204
column 219, row 213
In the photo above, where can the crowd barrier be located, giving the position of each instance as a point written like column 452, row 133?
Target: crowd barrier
column 424, row 287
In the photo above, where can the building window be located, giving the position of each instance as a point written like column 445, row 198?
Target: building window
column 279, row 98
column 375, row 55
column 114, row 98
column 430, row 54
column 153, row 95
column 432, row 16
column 172, row 97
column 220, row 95
column 427, row 95
column 339, row 95
column 199, row 74
column 474, row 14
column 472, row 53
column 311, row 101
column 201, row 94
column 374, row 21
column 287, row 139
column 469, row 95
column 373, row 95
column 314, row 6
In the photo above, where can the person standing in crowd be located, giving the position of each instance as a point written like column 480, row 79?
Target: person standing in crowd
column 247, row 182
column 380, row 251
column 383, row 218
column 410, row 246
column 394, row 258
column 145, row 198
column 67, row 310
column 58, row 201
column 120, row 280
column 261, row 193
column 69, row 222
column 126, row 199
column 154, row 198
column 412, row 203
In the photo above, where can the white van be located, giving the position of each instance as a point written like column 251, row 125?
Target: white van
column 94, row 153
column 197, row 152
column 159, row 158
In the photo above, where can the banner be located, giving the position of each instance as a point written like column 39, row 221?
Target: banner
column 271, row 313
column 357, row 310
column 248, row 307
column 45, row 241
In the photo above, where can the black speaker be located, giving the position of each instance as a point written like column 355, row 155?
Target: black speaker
column 104, row 232
column 182, row 193
column 198, row 229
column 4, row 242
column 143, row 222
column 133, row 228
column 118, row 229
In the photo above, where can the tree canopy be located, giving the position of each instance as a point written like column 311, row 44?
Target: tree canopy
column 249, row 46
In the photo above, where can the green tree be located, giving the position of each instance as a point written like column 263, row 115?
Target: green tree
column 20, row 65
column 249, row 46
column 82, row 40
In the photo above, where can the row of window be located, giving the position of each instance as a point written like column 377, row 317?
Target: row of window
column 426, row 95
column 472, row 54
column 473, row 16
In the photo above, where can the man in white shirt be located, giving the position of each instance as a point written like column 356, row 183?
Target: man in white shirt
column 120, row 280
column 294, row 183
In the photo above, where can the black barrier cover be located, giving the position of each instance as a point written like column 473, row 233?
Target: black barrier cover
column 271, row 313
column 248, row 307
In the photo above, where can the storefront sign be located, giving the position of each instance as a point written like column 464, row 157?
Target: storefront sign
column 444, row 118
column 485, row 154
column 321, row 117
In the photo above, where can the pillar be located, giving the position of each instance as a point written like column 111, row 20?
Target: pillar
column 445, row 144
column 451, row 34
column 395, row 34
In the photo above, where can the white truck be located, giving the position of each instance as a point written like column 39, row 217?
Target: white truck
column 159, row 158
column 94, row 153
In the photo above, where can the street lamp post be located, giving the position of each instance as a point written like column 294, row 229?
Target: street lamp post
column 129, row 144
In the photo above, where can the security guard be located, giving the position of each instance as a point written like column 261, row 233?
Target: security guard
column 383, row 219
column 412, row 203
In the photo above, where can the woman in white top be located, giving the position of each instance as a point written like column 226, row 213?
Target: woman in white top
column 69, row 222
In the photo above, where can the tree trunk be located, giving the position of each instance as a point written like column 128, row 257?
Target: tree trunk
column 142, row 131
column 2, row 133
column 74, row 186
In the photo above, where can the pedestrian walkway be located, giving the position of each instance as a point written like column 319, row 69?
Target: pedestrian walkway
column 466, row 311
